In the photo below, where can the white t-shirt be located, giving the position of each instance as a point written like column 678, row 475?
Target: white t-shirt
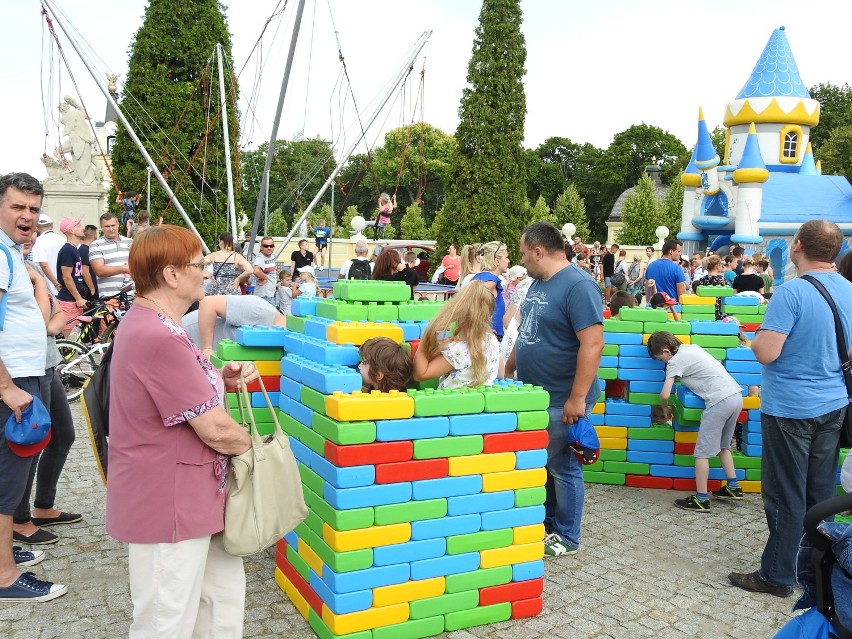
column 457, row 354
column 270, row 268
column 240, row 310
column 46, row 249
column 344, row 270
column 702, row 373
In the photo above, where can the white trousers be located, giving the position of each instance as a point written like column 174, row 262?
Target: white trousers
column 192, row 589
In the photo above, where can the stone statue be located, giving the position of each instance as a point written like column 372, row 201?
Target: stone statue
column 112, row 83
column 57, row 171
column 78, row 141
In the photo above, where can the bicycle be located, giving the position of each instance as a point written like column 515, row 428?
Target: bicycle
column 88, row 329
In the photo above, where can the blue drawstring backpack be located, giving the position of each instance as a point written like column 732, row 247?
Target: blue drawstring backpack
column 812, row 624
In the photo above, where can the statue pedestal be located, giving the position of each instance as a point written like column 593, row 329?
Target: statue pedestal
column 70, row 199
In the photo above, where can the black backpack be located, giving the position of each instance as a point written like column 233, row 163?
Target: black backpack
column 359, row 270
column 95, row 400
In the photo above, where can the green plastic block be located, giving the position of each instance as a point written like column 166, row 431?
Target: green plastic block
column 298, row 563
column 608, row 373
column 511, row 398
column 341, row 310
column 413, row 629
column 689, row 460
column 477, row 541
column 652, row 399
column 612, row 454
column 530, row 496
column 689, row 414
column 382, row 312
column 595, row 477
column 229, row 350
column 628, row 468
column 620, row 326
column 761, row 310
column 533, row 420
column 731, row 309
column 675, row 328
column 610, row 349
column 744, row 461
column 303, row 530
column 597, row 466
column 716, row 341
column 344, row 433
column 311, row 480
column 662, row 433
column 323, row 632
column 443, row 604
column 308, row 437
column 260, row 414
column 342, row 520
column 448, row 446
column 313, row 399
column 426, row 383
column 372, row 291
column 753, row 474
column 217, row 362
column 640, row 314
column 479, row 579
column 289, row 425
column 419, row 311
column 477, row 616
column 456, row 401
column 314, row 522
column 296, row 323
column 717, row 353
column 714, row 291
column 348, row 561
column 411, row 511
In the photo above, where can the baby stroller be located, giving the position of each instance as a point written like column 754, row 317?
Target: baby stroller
column 824, row 571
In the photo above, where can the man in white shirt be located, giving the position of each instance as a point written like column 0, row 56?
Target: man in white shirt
column 361, row 251
column 46, row 249
column 266, row 271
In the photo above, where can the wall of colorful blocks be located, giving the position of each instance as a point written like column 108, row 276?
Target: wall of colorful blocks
column 426, row 506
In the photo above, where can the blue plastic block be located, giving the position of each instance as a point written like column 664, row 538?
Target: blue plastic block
column 664, row 470
column 622, row 338
column 323, row 352
column 375, row 577
column 719, row 473
column 685, row 428
column 294, row 343
column 742, row 300
column 609, row 361
column 291, row 366
column 259, row 401
column 342, row 603
column 601, row 384
column 643, row 457
column 446, row 565
column 749, row 335
column 650, row 445
column 410, row 330
column 740, row 353
column 689, row 399
column 390, row 430
column 292, row 539
column 328, row 379
column 317, row 327
column 630, row 421
column 639, row 386
column 703, row 327
column 750, row 437
column 261, row 335
column 748, row 379
column 446, row 527
column 525, row 459
column 646, row 375
column 409, row 551
column 301, row 413
column 528, row 570
column 641, row 362
column 300, row 451
column 752, row 450
column 525, row 516
column 753, row 426
column 343, row 476
column 597, row 419
column 376, row 495
column 743, row 366
column 483, row 423
column 633, row 350
column 291, row 388
column 284, row 403
column 622, row 407
column 446, row 487
column 305, row 306
column 483, row 502
column 754, row 415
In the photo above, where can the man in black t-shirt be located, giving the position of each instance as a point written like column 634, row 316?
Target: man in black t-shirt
column 300, row 258
column 608, row 267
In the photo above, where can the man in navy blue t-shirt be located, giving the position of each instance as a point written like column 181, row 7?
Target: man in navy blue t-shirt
column 665, row 275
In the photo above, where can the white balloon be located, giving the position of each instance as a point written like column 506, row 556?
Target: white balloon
column 568, row 229
column 358, row 223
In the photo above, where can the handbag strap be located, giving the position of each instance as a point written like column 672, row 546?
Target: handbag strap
column 843, row 351
column 245, row 408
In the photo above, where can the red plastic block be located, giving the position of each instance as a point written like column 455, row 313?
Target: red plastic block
column 412, row 470
column 301, row 585
column 364, row 454
column 512, row 591
column 646, row 481
column 607, row 314
column 682, row 483
column 684, row 449
column 750, row 327
column 509, row 442
column 415, row 344
column 272, row 383
column 743, row 416
column 527, row 608
column 281, row 545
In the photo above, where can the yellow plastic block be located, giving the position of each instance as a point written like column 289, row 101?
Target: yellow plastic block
column 360, row 406
column 310, row 557
column 611, row 431
column 268, row 367
column 750, row 486
column 613, row 443
column 280, row 578
column 364, row 619
column 359, row 332
column 293, row 594
column 512, row 480
column 751, row 403
column 479, row 464
column 410, row 591
column 682, row 437
column 599, row 408
column 342, row 541
column 684, row 339
column 697, row 300
column 527, row 534
column 511, row 555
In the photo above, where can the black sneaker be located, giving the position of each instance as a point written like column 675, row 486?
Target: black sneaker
column 28, row 588
column 24, row 558
column 693, row 503
column 727, row 491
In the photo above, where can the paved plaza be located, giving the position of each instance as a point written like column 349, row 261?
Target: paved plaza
column 646, row 569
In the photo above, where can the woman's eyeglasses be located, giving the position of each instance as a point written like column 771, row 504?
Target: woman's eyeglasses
column 199, row 265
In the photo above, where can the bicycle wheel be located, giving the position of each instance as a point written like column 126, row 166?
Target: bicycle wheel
column 109, row 332
column 76, row 367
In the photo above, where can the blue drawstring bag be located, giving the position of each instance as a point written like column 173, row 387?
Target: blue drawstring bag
column 809, row 625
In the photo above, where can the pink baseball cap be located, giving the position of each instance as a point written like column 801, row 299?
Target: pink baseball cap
column 68, row 223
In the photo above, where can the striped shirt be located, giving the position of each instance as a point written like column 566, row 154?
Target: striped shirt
column 113, row 253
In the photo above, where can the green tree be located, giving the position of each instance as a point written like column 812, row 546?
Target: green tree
column 835, row 110
column 487, row 191
column 412, row 225
column 278, row 226
column 540, row 212
column 570, row 207
column 671, row 208
column 169, row 86
column 641, row 214
column 717, row 137
column 551, row 166
column 836, row 153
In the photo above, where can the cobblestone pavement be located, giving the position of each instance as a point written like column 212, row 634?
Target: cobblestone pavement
column 646, row 569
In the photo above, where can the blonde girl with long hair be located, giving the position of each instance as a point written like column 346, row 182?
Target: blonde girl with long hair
column 469, row 264
column 459, row 345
